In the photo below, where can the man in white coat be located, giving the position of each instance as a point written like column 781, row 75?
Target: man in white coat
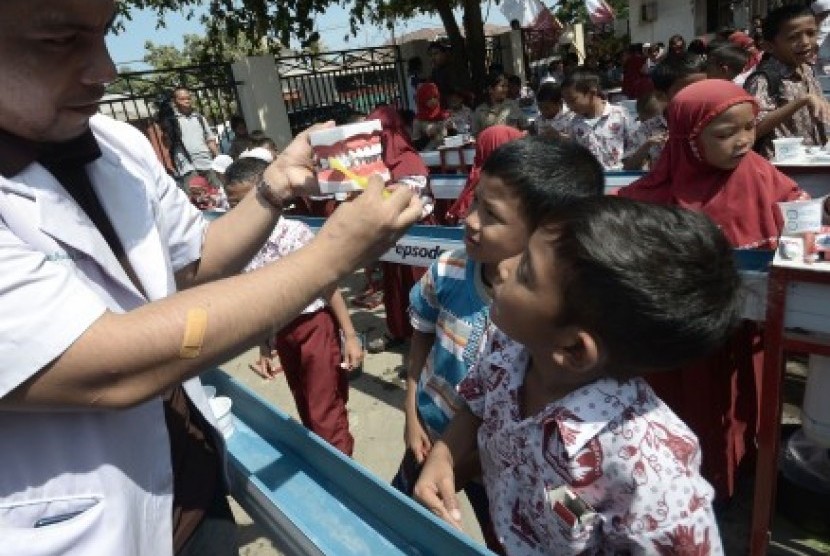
column 112, row 303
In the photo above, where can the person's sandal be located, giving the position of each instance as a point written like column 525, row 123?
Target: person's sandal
column 383, row 343
column 368, row 301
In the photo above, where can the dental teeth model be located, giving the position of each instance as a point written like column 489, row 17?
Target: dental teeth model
column 356, row 146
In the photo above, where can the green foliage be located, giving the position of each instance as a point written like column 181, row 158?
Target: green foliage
column 268, row 25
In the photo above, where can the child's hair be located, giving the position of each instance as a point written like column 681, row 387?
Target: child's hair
column 582, row 80
column 549, row 92
column 354, row 116
column 779, row 17
column 732, row 56
column 674, row 68
column 494, row 78
column 514, row 80
column 546, row 174
column 244, row 170
column 697, row 46
column 648, row 106
column 259, row 139
column 656, row 285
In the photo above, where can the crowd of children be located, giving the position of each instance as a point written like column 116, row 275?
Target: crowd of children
column 580, row 368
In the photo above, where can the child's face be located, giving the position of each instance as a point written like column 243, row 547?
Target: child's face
column 495, row 228
column 526, row 294
column 728, row 137
column 579, row 102
column 796, row 42
column 237, row 191
column 498, row 92
column 549, row 109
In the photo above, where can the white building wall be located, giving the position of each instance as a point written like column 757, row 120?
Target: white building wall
column 684, row 17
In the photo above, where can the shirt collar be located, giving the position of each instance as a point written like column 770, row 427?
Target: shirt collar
column 585, row 412
column 16, row 153
column 785, row 70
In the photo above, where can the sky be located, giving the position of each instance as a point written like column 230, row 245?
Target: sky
column 127, row 48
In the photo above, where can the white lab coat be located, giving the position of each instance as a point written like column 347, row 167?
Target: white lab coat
column 58, row 276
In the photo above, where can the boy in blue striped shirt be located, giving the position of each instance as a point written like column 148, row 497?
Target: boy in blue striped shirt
column 522, row 182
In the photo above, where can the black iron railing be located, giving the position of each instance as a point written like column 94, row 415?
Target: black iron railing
column 336, row 85
column 134, row 96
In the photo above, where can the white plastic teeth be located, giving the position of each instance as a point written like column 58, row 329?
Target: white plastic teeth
column 355, row 157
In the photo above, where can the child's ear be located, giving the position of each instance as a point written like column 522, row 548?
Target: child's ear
column 576, row 349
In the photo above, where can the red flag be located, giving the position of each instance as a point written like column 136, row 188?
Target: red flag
column 599, row 11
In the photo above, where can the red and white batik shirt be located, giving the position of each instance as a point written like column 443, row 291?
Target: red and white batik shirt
column 607, row 469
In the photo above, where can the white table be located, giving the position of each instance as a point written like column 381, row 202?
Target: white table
column 433, row 158
column 810, row 175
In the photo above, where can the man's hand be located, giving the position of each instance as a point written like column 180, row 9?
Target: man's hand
column 435, row 488
column 361, row 231
column 292, row 173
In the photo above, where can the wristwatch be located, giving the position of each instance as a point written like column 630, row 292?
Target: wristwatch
column 263, row 188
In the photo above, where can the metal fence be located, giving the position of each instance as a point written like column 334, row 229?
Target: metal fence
column 335, row 85
column 133, row 97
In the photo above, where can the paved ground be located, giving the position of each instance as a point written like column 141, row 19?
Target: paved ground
column 376, row 421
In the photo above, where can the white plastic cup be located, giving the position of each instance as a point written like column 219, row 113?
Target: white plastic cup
column 787, row 148
column 221, row 407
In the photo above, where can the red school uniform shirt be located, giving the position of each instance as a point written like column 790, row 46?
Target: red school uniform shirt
column 609, row 468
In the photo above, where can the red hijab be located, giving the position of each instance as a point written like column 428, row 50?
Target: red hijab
column 426, row 92
column 398, row 153
column 742, row 40
column 488, row 141
column 741, row 201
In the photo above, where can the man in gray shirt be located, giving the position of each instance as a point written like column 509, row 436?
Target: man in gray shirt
column 198, row 146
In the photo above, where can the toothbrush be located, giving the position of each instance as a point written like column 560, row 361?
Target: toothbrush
column 361, row 181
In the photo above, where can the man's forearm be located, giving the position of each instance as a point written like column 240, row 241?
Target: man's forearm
column 232, row 241
column 125, row 359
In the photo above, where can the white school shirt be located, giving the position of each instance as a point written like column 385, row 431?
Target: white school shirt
column 59, row 276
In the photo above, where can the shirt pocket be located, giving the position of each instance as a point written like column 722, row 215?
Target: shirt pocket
column 572, row 522
column 41, row 517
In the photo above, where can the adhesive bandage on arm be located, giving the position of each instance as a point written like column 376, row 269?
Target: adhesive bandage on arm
column 194, row 333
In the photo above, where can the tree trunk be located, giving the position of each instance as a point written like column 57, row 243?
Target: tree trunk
column 460, row 52
column 476, row 46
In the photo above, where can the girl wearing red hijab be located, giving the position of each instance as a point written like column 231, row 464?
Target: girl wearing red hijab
column 488, row 141
column 430, row 126
column 708, row 165
column 407, row 169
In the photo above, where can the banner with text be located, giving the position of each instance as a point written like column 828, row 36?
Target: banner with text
column 421, row 246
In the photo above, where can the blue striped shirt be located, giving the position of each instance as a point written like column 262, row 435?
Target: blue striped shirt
column 451, row 302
